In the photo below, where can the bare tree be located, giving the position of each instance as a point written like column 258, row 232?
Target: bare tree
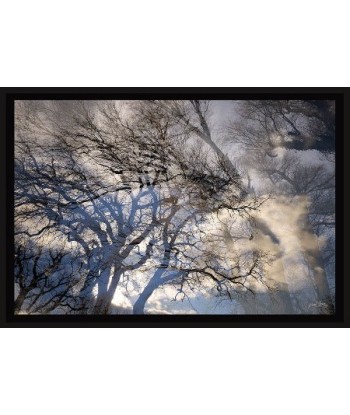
column 272, row 132
column 115, row 185
column 47, row 280
column 211, row 184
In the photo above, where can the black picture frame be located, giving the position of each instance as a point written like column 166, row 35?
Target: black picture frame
column 8, row 319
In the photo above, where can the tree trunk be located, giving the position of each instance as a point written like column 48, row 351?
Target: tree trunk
column 102, row 284
column 105, row 294
column 153, row 284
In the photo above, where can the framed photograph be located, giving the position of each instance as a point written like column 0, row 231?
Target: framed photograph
column 185, row 207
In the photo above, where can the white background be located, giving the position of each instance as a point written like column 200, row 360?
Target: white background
column 182, row 43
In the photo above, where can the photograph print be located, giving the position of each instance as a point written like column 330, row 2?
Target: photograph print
column 174, row 207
